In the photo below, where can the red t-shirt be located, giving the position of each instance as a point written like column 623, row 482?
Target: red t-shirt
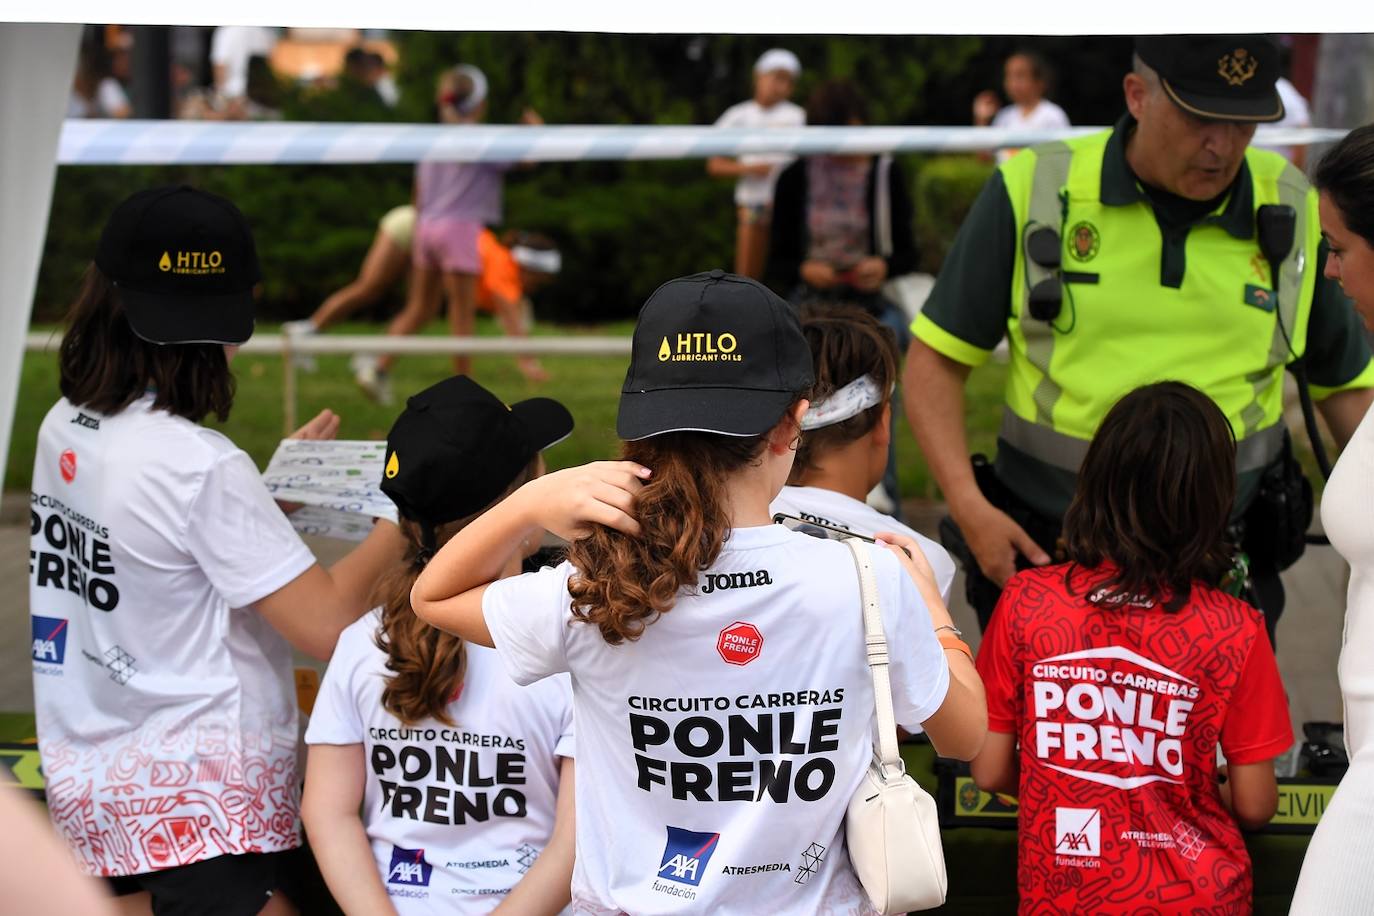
column 1118, row 712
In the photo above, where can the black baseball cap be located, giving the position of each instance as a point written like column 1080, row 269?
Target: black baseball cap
column 185, row 266
column 457, row 447
column 1223, row 77
column 716, row 353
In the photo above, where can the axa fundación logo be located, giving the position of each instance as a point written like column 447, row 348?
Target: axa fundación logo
column 686, row 855
column 1078, row 832
column 409, row 868
column 49, row 640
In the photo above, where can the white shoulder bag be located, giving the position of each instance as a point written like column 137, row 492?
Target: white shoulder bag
column 892, row 827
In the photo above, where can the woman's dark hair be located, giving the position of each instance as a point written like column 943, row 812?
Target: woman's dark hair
column 836, row 103
column 426, row 664
column 105, row 366
column 625, row 583
column 846, row 343
column 1346, row 173
column 1039, row 64
column 1154, row 497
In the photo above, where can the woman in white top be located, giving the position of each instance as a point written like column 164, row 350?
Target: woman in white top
column 1336, row 877
column 847, row 429
column 167, row 587
column 724, row 705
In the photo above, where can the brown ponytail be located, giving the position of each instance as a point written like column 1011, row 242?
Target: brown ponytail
column 427, row 665
column 625, row 583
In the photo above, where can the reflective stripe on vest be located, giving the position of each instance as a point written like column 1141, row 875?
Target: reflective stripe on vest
column 1253, row 453
column 1241, row 371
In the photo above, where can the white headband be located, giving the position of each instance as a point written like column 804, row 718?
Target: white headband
column 778, row 59
column 543, row 260
column 849, row 401
column 479, row 88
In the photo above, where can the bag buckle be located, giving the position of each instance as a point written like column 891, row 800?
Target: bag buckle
column 890, row 770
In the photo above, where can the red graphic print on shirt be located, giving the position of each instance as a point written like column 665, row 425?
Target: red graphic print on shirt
column 1119, row 711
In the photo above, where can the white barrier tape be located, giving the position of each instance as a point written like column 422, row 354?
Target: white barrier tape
column 42, row 341
column 96, row 142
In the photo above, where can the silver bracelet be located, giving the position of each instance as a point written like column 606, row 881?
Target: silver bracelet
column 955, row 630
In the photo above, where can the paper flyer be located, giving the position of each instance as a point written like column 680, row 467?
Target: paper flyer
column 337, row 481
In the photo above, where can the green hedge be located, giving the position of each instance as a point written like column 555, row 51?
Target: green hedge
column 623, row 227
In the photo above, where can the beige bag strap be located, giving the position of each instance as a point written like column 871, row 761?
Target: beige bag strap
column 885, row 740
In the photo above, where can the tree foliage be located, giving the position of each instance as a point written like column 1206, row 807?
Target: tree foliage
column 623, row 227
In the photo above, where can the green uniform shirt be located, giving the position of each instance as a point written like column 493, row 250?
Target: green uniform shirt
column 968, row 311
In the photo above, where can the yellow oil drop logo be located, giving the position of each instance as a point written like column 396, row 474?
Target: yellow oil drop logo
column 165, row 264
column 664, row 353
column 393, row 467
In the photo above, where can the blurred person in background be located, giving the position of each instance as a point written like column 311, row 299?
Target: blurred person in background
column 1027, row 78
column 775, row 77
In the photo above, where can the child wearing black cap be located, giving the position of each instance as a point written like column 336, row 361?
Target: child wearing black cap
column 463, row 778
column 167, row 587
column 723, row 699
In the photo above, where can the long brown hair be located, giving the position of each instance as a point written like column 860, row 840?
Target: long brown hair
column 105, row 366
column 427, row 665
column 1154, row 497
column 846, row 343
column 624, row 583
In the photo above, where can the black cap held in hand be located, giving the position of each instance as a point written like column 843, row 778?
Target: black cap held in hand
column 185, row 266
column 1221, row 77
column 457, row 447
column 716, row 353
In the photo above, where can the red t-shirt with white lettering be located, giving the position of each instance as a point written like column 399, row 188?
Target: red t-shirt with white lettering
column 1118, row 712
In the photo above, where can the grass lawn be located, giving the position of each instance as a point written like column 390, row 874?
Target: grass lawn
column 589, row 386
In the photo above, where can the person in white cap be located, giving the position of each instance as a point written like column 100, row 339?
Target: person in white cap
column 775, row 77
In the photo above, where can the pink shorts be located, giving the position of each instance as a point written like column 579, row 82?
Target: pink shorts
column 447, row 244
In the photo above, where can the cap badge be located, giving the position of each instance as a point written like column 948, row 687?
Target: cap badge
column 393, row 467
column 700, row 346
column 165, row 264
column 1237, row 67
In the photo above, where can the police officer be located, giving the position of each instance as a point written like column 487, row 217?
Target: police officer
column 1143, row 253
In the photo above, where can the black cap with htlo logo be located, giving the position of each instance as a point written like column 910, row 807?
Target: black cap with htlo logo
column 716, row 353
column 457, row 447
column 1220, row 77
column 184, row 264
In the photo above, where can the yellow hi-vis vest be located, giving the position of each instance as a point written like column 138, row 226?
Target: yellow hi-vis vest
column 1121, row 327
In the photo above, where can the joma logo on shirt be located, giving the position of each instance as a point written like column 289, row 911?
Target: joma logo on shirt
column 82, row 419
column 724, row 581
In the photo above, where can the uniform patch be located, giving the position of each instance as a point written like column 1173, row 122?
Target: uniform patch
column 1260, row 298
column 1084, row 241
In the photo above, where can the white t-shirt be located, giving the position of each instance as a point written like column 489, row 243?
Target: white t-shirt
column 166, row 717
column 840, row 511
column 1044, row 116
column 232, row 46
column 757, row 190
column 456, row 814
column 718, row 752
column 110, row 98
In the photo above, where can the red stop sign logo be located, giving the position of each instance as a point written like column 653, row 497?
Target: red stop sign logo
column 66, row 463
column 739, row 643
